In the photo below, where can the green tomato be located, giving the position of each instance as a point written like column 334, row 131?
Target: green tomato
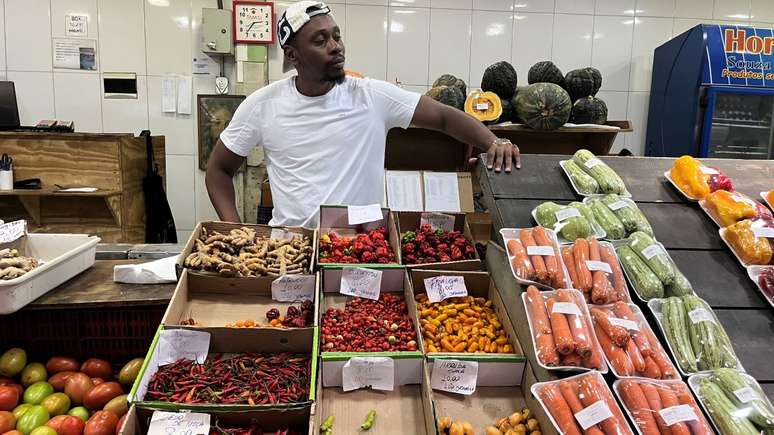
column 36, row 416
column 80, row 412
column 56, row 404
column 34, row 372
column 20, row 410
column 43, row 430
column 12, row 362
column 35, row 393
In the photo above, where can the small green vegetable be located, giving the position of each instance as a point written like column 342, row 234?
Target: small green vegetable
column 645, row 283
column 607, row 220
column 675, row 322
column 654, row 256
column 608, row 180
column 585, row 183
column 723, row 412
column 759, row 411
column 327, row 427
column 369, row 421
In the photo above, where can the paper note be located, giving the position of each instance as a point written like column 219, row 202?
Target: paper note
column 364, row 283
column 591, row 415
column 441, row 191
column 291, row 288
column 566, row 308
column 441, row 287
column 360, row 214
column 454, row 376
column 75, row 53
column 175, row 344
column 362, row 372
column 598, row 265
column 764, row 232
column 179, row 423
column 281, row 234
column 700, row 315
column 482, row 106
column 404, row 190
column 746, row 394
column 566, row 213
column 617, row 205
column 184, row 97
column 678, row 413
column 76, row 25
column 590, row 163
column 12, row 230
column 651, row 251
column 540, row 250
column 624, row 323
column 437, row 221
column 78, row 189
column 707, row 170
column 168, row 95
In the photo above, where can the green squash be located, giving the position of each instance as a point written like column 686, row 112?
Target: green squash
column 450, row 80
column 589, row 110
column 501, row 79
column 597, row 76
column 544, row 106
column 449, row 95
column 545, row 72
column 579, row 83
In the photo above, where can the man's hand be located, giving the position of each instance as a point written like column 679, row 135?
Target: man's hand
column 502, row 151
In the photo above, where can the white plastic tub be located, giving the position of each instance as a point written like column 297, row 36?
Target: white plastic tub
column 63, row 256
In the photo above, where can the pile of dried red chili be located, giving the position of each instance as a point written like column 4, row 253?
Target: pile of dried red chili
column 252, row 430
column 253, row 379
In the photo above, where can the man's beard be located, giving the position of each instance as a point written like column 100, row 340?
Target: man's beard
column 336, row 78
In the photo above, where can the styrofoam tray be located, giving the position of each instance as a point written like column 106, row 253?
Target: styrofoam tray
column 711, row 213
column 754, row 272
column 693, row 382
column 626, row 194
column 512, row 233
column 63, row 256
column 766, row 200
column 599, row 232
column 722, row 232
column 672, row 182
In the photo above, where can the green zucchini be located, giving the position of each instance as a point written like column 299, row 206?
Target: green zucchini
column 608, row 180
column 726, row 416
column 645, row 282
column 587, row 214
column 709, row 340
column 545, row 214
column 607, row 220
column 673, row 321
column 630, row 215
column 681, row 286
column 653, row 255
column 576, row 227
column 759, row 411
column 583, row 181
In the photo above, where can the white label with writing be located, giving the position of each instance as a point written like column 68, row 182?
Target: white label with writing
column 363, row 372
column 357, row 281
column 746, row 394
column 281, row 234
column 291, row 288
column 700, row 315
column 540, row 250
column 360, row 214
column 590, row 163
column 76, row 25
column 438, row 221
column 707, row 170
column 441, row 287
column 651, row 251
column 598, row 265
column 738, row 197
column 624, row 323
column 179, row 423
column 678, row 413
column 765, row 232
column 566, row 213
column 617, row 205
column 566, row 308
column 482, row 106
column 175, row 344
column 591, row 415
column 12, row 230
column 454, row 376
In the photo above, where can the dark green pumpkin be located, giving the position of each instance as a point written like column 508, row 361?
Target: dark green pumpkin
column 515, row 113
column 500, row 78
column 579, row 83
column 544, row 106
column 450, row 80
column 589, row 110
column 597, row 79
column 449, row 95
column 545, row 72
column 507, row 112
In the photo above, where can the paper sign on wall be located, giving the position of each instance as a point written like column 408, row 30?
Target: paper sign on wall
column 179, row 423
column 364, row 283
column 441, row 191
column 71, row 53
column 362, row 372
column 76, row 25
column 291, row 288
column 184, row 97
column 168, row 94
column 441, row 287
column 175, row 344
column 404, row 190
column 360, row 214
column 454, row 376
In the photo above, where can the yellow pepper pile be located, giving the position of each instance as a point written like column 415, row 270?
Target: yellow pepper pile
column 751, row 249
column 730, row 208
column 686, row 173
column 770, row 197
column 465, row 324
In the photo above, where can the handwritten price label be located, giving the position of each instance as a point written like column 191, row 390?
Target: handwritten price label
column 678, row 413
column 175, row 344
column 364, row 283
column 12, row 231
column 746, row 394
column 179, row 423
column 566, row 308
column 438, row 221
column 281, row 234
column 454, row 376
column 441, row 287
column 617, row 205
column 651, row 251
column 593, row 414
column 625, row 323
column 567, row 213
column 700, row 315
column 540, row 250
column 360, row 214
column 363, row 372
column 598, row 265
column 291, row 288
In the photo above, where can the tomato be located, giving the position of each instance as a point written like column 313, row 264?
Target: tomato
column 120, row 424
column 129, row 372
column 36, row 416
column 7, row 421
column 97, row 381
column 34, row 372
column 12, row 362
column 5, row 380
column 56, row 404
column 80, row 412
column 43, row 430
column 13, row 432
column 97, row 368
column 20, row 410
column 38, row 391
column 19, row 389
column 58, row 364
column 118, row 405
column 101, row 423
column 66, row 425
column 76, row 387
column 58, row 380
column 100, row 395
column 9, row 398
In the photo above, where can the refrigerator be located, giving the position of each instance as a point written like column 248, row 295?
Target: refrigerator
column 712, row 94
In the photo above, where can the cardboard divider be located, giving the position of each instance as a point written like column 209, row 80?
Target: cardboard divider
column 494, row 369
column 410, row 221
column 213, row 301
column 408, row 364
column 335, row 218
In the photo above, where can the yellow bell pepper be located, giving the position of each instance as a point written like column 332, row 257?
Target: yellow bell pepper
column 730, row 208
column 751, row 249
column 686, row 173
column 770, row 197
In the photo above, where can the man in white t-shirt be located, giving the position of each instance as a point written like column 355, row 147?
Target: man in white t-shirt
column 323, row 132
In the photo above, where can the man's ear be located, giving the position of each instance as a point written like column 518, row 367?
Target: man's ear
column 291, row 54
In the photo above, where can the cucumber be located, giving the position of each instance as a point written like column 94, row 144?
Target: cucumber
column 645, row 282
column 545, row 214
column 608, row 180
column 630, row 215
column 760, row 411
column 673, row 321
column 585, row 211
column 659, row 263
column 607, row 220
column 709, row 340
column 726, row 416
column 577, row 227
column 583, row 181
column 681, row 286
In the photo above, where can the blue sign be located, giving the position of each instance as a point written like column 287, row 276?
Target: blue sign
column 739, row 56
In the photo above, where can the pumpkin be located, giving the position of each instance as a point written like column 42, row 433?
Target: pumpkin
column 589, row 110
column 484, row 106
column 449, row 95
column 450, row 80
column 597, row 76
column 545, row 72
column 507, row 112
column 579, row 83
column 514, row 113
column 500, row 78
column 544, row 106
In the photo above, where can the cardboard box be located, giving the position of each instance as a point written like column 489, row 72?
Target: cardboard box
column 229, row 341
column 298, row 419
column 334, row 218
column 213, row 302
column 494, row 369
column 464, row 189
column 410, row 220
column 408, row 365
column 225, row 227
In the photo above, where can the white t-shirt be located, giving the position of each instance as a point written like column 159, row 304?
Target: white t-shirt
column 320, row 150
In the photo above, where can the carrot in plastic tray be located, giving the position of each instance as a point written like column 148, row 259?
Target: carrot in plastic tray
column 582, row 404
column 544, row 338
column 661, row 407
column 596, row 271
column 553, row 263
column 535, row 257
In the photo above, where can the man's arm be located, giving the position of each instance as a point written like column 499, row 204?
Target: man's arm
column 433, row 115
column 221, row 168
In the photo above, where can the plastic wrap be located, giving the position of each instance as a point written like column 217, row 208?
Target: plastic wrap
column 734, row 401
column 594, row 269
column 695, row 336
column 562, row 333
column 534, row 256
column 650, row 269
column 769, row 198
column 581, row 404
column 583, row 183
column 694, row 180
column 629, row 344
column 628, row 213
column 728, row 208
column 752, row 242
column 569, row 222
column 763, row 277
column 661, row 407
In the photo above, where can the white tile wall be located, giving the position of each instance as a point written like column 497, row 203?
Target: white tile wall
column 532, row 41
column 612, row 50
column 34, row 95
column 409, row 32
column 127, row 115
column 491, row 42
column 28, row 35
column 122, row 21
column 367, row 53
column 572, row 41
column 77, row 97
column 449, row 33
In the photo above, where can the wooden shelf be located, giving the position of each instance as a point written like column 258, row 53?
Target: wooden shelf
column 52, row 192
